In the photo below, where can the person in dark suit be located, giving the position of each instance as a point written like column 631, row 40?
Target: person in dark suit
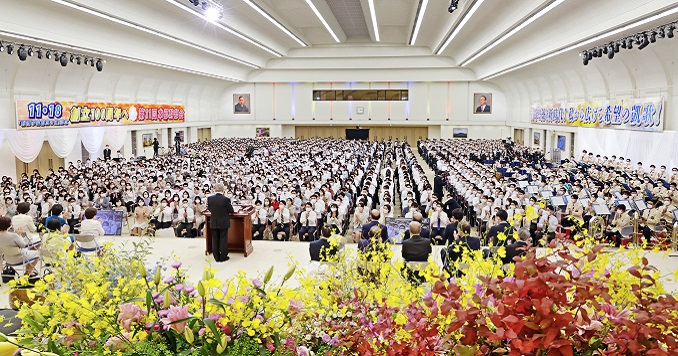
column 321, row 250
column 438, row 184
column 220, row 207
column 156, row 146
column 450, row 205
column 374, row 221
column 425, row 231
column 416, row 248
column 483, row 107
column 463, row 243
column 518, row 248
column 107, row 153
column 240, row 106
column 451, row 228
column 503, row 227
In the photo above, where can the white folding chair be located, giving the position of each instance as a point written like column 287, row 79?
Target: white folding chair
column 81, row 242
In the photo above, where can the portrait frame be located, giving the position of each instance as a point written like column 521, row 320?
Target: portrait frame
column 246, row 103
column 561, row 142
column 536, row 140
column 477, row 105
column 460, row 132
column 263, row 132
column 147, row 140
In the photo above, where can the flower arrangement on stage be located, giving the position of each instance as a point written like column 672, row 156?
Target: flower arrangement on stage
column 569, row 300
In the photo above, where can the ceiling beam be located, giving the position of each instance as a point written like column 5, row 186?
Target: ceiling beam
column 325, row 15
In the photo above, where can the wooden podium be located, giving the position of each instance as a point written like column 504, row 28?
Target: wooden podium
column 239, row 234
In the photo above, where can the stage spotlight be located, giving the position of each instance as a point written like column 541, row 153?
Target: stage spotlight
column 615, row 47
column 669, row 31
column 604, row 50
column 48, row 54
column 586, row 60
column 77, row 60
column 600, row 52
column 660, row 32
column 72, row 58
column 454, row 4
column 39, row 54
column 63, row 60
column 22, row 53
column 56, row 57
column 91, row 62
column 100, row 65
column 10, row 49
column 629, row 44
column 653, row 37
column 2, row 48
column 195, row 2
column 610, row 53
column 30, row 51
column 212, row 14
column 643, row 42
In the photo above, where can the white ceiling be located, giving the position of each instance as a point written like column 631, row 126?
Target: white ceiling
column 200, row 46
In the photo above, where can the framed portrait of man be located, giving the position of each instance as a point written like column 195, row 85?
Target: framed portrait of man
column 241, row 103
column 537, row 139
column 482, row 103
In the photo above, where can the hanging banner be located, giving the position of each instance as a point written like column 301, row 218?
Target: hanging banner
column 60, row 114
column 632, row 114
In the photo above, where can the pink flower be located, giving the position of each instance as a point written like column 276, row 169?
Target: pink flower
column 613, row 314
column 176, row 265
column 257, row 283
column 117, row 343
column 175, row 314
column 302, row 351
column 129, row 313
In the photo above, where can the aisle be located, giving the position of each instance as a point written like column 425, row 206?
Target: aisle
column 430, row 174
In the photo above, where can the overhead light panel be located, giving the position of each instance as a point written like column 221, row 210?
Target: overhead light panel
column 225, row 28
column 322, row 19
column 272, row 20
column 154, row 32
column 461, row 24
column 524, row 24
column 637, row 23
column 418, row 20
column 373, row 14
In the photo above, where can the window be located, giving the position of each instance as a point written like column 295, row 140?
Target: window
column 361, row 95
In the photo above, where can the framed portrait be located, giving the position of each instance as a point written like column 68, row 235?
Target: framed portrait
column 147, row 140
column 482, row 103
column 537, row 139
column 460, row 132
column 561, row 143
column 241, row 103
column 263, row 132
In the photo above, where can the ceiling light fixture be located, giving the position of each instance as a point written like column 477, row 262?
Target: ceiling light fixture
column 272, row 20
column 373, row 14
column 515, row 30
column 225, row 28
column 327, row 26
column 153, row 32
column 460, row 25
column 640, row 22
column 62, row 56
column 418, row 20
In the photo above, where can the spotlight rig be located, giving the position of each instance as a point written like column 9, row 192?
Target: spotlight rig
column 211, row 9
column 25, row 51
column 642, row 39
column 454, row 4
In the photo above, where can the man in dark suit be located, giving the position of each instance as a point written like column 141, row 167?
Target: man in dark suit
column 240, row 107
column 425, row 231
column 321, row 250
column 438, row 184
column 483, row 107
column 451, row 228
column 156, row 146
column 107, row 153
column 503, row 227
column 518, row 248
column 374, row 221
column 220, row 207
column 416, row 248
column 456, row 249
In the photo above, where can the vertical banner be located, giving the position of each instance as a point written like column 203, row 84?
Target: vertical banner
column 633, row 114
column 61, row 114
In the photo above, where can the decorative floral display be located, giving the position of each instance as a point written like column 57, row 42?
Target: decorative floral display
column 568, row 299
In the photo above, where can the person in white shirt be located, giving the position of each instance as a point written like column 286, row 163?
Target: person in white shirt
column 548, row 222
column 281, row 219
column 162, row 215
column 185, row 220
column 308, row 219
column 439, row 221
column 258, row 221
column 92, row 226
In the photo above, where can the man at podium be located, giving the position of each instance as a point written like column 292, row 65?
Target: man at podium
column 220, row 207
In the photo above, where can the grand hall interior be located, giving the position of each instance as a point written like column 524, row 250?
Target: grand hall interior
column 338, row 177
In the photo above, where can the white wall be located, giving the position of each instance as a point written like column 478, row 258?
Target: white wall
column 632, row 73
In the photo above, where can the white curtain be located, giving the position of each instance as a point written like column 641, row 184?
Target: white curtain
column 62, row 141
column 25, row 145
column 92, row 138
column 658, row 148
column 116, row 135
